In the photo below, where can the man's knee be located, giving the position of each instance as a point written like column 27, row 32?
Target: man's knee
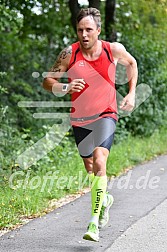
column 100, row 156
column 88, row 162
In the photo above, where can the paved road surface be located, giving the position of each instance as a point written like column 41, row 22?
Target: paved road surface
column 138, row 220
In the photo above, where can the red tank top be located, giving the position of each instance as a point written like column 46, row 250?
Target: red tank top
column 98, row 98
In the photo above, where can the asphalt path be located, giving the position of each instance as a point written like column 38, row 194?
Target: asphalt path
column 138, row 218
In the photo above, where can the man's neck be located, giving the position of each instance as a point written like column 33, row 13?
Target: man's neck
column 93, row 52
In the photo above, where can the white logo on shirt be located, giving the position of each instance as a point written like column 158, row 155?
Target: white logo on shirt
column 81, row 63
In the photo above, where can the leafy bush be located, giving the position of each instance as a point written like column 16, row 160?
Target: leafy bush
column 141, row 29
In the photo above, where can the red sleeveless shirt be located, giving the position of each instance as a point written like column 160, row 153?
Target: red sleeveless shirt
column 98, row 98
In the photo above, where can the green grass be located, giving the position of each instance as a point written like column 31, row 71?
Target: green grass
column 33, row 189
column 135, row 150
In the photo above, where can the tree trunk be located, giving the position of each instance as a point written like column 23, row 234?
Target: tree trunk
column 74, row 8
column 94, row 4
column 110, row 20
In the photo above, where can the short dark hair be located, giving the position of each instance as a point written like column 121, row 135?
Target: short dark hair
column 95, row 13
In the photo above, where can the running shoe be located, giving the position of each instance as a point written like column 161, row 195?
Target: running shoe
column 92, row 233
column 104, row 212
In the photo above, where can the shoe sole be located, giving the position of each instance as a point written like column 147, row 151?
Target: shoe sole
column 88, row 237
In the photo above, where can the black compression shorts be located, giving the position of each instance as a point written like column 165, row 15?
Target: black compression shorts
column 97, row 134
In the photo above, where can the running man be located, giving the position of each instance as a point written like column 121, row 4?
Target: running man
column 90, row 64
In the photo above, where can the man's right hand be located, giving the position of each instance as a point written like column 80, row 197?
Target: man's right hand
column 76, row 85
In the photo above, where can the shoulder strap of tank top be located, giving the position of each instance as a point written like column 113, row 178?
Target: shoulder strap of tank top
column 107, row 49
column 75, row 50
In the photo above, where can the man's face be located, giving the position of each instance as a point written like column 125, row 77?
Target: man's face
column 87, row 32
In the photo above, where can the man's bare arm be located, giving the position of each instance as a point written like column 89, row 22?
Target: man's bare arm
column 123, row 57
column 51, row 82
column 57, row 71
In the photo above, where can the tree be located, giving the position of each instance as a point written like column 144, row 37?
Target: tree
column 110, row 20
column 109, row 15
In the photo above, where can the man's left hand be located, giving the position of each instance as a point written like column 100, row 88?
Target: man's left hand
column 128, row 103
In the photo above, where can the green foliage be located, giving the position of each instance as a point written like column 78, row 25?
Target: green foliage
column 141, row 28
column 135, row 150
column 27, row 193
column 31, row 38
